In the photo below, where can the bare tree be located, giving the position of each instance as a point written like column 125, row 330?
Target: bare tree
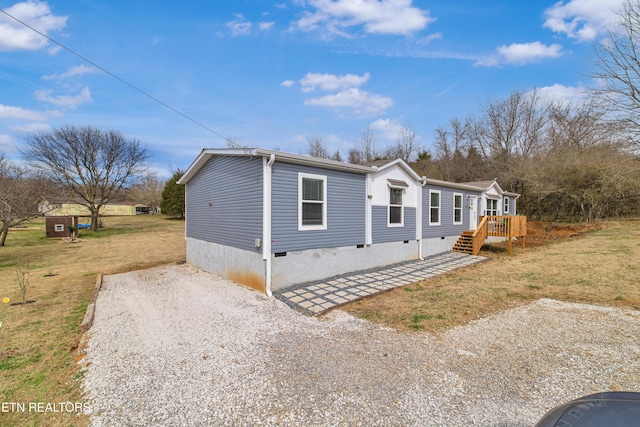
column 367, row 146
column 451, row 139
column 316, row 147
column 91, row 165
column 618, row 67
column 148, row 191
column 20, row 194
column 234, row 143
column 355, row 157
column 509, row 131
column 406, row 148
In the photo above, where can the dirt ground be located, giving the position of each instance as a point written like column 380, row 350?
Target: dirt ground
column 539, row 232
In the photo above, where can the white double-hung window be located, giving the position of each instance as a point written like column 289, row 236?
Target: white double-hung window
column 395, row 212
column 457, row 208
column 434, row 207
column 312, row 202
column 506, row 205
column 395, row 207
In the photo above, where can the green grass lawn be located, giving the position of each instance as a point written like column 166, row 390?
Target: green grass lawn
column 39, row 340
column 599, row 267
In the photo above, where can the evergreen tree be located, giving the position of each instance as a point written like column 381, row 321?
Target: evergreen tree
column 173, row 198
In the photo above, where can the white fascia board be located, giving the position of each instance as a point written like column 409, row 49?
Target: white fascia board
column 449, row 184
column 207, row 153
column 318, row 162
column 403, row 165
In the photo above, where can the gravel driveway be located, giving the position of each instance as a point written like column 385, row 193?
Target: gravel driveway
column 175, row 346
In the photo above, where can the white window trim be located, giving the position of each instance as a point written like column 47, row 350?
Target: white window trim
column 301, row 227
column 439, row 207
column 506, row 206
column 460, row 209
column 59, row 228
column 401, row 223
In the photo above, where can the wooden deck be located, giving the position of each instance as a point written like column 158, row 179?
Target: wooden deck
column 510, row 226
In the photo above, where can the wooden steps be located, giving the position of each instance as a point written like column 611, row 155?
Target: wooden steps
column 464, row 243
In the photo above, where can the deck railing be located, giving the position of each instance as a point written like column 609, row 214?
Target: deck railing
column 509, row 226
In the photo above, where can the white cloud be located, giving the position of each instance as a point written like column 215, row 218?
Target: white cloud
column 265, row 25
column 389, row 129
column 565, row 94
column 15, row 36
column 7, row 143
column 239, row 27
column 53, row 50
column 361, row 102
column 65, row 101
column 583, row 20
column 375, row 16
column 521, row 53
column 347, row 96
column 19, row 113
column 431, row 37
column 32, row 127
column 331, row 82
column 73, row 72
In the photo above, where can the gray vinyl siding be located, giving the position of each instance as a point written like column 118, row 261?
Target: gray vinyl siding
column 224, row 202
column 512, row 204
column 382, row 233
column 446, row 227
column 346, row 203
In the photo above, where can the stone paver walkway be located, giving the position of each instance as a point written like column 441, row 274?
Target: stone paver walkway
column 314, row 298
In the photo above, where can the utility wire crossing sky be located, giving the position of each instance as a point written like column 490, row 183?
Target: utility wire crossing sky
column 182, row 77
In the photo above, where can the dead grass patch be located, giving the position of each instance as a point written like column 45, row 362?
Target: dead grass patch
column 38, row 340
column 595, row 264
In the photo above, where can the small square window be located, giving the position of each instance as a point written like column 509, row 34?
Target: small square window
column 59, row 228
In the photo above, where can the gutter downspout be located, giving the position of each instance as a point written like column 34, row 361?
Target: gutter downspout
column 368, row 222
column 266, row 221
column 423, row 182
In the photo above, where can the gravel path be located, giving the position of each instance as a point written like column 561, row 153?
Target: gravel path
column 175, row 346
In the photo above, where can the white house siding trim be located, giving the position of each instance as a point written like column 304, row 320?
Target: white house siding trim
column 380, row 187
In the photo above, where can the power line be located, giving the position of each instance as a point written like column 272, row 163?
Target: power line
column 104, row 70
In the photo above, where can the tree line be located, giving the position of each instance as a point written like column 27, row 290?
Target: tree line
column 569, row 162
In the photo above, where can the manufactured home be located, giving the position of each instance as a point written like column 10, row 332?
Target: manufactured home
column 269, row 219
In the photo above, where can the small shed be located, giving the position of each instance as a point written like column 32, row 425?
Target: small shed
column 59, row 226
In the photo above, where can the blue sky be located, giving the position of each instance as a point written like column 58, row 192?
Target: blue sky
column 273, row 74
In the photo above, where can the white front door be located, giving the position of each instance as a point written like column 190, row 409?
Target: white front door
column 472, row 202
